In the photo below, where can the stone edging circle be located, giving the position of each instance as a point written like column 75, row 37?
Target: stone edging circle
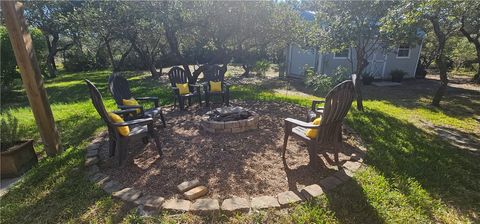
column 234, row 204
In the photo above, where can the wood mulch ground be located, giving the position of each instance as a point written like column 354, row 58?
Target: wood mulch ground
column 243, row 164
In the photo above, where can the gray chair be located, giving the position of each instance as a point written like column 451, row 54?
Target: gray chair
column 178, row 75
column 216, row 73
column 139, row 128
column 120, row 90
column 337, row 104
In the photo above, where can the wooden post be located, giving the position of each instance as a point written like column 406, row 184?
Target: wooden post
column 31, row 75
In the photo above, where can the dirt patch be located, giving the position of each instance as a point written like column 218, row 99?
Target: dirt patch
column 242, row 164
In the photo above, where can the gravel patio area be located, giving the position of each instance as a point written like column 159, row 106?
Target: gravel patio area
column 244, row 164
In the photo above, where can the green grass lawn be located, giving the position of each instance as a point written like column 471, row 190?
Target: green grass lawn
column 413, row 176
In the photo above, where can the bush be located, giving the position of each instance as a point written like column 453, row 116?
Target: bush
column 261, row 67
column 9, row 131
column 397, row 75
column 9, row 71
column 367, row 78
column 76, row 60
column 320, row 83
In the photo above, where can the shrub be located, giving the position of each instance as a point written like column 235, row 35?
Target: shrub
column 367, row 78
column 397, row 75
column 320, row 83
column 9, row 72
column 9, row 131
column 261, row 67
column 421, row 72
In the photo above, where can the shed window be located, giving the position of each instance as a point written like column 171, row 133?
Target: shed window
column 403, row 51
column 342, row 54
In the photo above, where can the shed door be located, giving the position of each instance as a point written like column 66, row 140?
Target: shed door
column 376, row 65
column 301, row 59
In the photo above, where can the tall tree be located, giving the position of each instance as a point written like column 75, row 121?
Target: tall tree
column 440, row 15
column 54, row 20
column 470, row 28
column 351, row 24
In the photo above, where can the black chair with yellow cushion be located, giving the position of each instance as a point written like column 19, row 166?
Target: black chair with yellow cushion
column 121, row 132
column 325, row 131
column 124, row 98
column 181, row 87
column 214, row 77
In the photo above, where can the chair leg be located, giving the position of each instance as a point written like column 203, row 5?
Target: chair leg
column 227, row 99
column 207, row 100
column 181, row 103
column 285, row 142
column 122, row 152
column 162, row 118
column 111, row 147
column 156, row 138
column 200, row 99
column 189, row 101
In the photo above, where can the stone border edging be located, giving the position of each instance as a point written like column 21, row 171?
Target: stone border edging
column 202, row 205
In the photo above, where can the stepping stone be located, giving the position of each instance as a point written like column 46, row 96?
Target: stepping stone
column 93, row 146
column 288, row 197
column 196, row 192
column 91, row 161
column 264, row 202
column 128, row 194
column 343, row 175
column 112, row 186
column 312, row 191
column 235, row 204
column 92, row 153
column 97, row 177
column 330, row 183
column 92, row 170
column 177, row 205
column 205, row 205
column 352, row 166
column 150, row 201
column 187, row 185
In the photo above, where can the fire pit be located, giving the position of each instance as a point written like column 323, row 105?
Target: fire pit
column 229, row 120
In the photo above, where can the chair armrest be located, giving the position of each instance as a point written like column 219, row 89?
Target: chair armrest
column 197, row 86
column 134, row 122
column 300, row 123
column 126, row 111
column 154, row 99
column 147, row 98
column 315, row 102
column 125, row 107
column 176, row 91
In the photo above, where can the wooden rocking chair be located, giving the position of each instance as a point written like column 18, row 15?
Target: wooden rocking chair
column 139, row 128
column 120, row 90
column 178, row 75
column 337, row 104
column 215, row 73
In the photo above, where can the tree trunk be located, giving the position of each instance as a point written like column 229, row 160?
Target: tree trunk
column 110, row 55
column 247, row 69
column 153, row 70
column 441, row 62
column 361, row 64
column 476, row 42
column 52, row 51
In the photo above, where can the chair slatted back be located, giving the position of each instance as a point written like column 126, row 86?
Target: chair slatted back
column 119, row 88
column 177, row 75
column 213, row 73
column 337, row 104
column 98, row 102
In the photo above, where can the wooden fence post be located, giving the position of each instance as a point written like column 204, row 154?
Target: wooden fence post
column 31, row 75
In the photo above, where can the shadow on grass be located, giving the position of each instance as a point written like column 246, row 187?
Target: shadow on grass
column 45, row 193
column 405, row 153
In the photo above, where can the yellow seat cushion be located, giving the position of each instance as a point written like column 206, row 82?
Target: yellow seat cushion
column 182, row 88
column 313, row 132
column 215, row 86
column 131, row 102
column 124, row 130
